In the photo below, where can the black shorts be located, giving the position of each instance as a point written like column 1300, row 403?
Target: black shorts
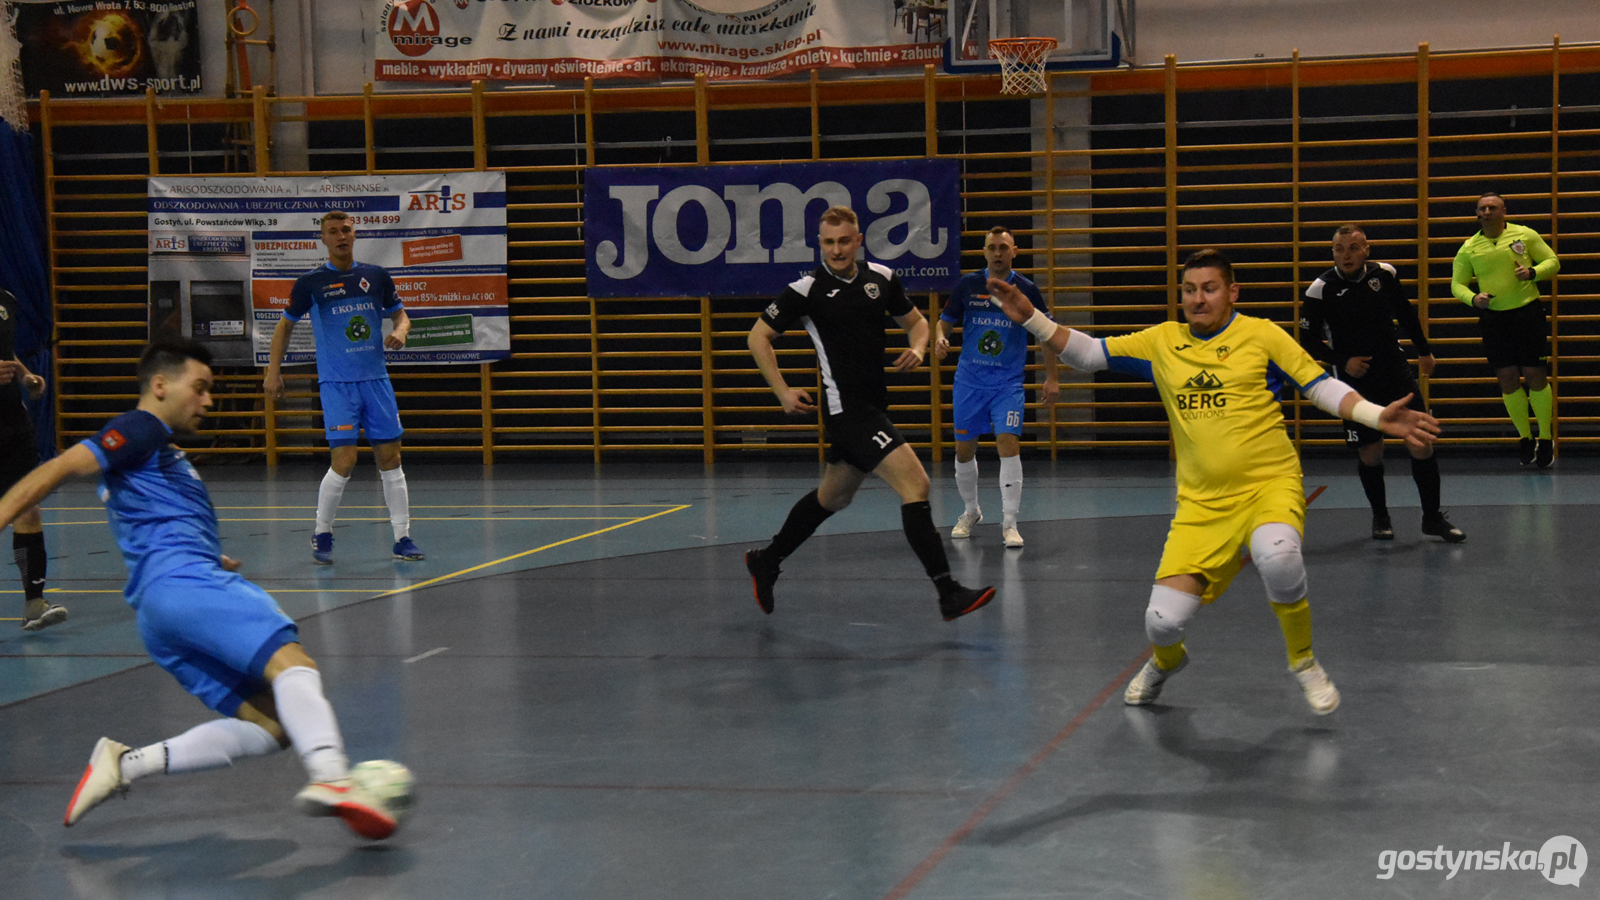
column 19, row 455
column 1515, row 337
column 1385, row 382
column 861, row 439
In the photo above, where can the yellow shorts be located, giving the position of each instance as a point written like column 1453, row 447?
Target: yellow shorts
column 1208, row 537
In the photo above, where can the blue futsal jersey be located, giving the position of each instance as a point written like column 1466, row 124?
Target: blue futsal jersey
column 349, row 307
column 159, row 509
column 994, row 349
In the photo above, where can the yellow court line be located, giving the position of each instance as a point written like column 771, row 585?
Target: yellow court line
column 386, row 518
column 442, row 578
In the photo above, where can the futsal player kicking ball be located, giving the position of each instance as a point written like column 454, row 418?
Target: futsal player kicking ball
column 1239, row 479
column 223, row 638
column 842, row 305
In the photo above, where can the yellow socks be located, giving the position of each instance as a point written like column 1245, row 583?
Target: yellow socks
column 1168, row 657
column 1543, row 403
column 1295, row 620
column 1517, row 406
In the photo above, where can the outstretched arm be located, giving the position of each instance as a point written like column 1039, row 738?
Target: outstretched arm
column 1072, row 347
column 77, row 461
column 1334, row 397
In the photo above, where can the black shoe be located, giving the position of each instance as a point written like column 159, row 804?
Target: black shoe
column 1544, row 452
column 763, row 575
column 1436, row 524
column 1525, row 451
column 961, row 600
column 1382, row 528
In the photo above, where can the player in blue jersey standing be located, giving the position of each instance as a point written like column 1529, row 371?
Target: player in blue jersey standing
column 346, row 301
column 223, row 638
column 989, row 396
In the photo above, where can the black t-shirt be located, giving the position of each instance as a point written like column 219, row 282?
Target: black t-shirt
column 13, row 414
column 1344, row 317
column 846, row 321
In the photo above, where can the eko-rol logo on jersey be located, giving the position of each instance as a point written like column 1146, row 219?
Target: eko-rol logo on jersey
column 358, row 330
column 1201, row 397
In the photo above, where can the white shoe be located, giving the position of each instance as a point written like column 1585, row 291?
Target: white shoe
column 1319, row 689
column 100, row 780
column 963, row 526
column 1013, row 537
column 365, row 814
column 1146, row 686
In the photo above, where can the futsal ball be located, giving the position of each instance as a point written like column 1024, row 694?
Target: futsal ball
column 388, row 781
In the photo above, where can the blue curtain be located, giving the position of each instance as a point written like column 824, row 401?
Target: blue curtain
column 22, row 270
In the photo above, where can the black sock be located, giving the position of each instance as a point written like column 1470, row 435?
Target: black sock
column 1372, row 483
column 804, row 517
column 29, row 552
column 917, row 521
column 1426, row 473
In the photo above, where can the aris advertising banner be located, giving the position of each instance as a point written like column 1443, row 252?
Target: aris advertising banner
column 564, row 40
column 746, row 231
column 108, row 48
column 225, row 252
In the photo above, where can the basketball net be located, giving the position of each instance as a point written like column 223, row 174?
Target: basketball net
column 13, row 104
column 1022, row 63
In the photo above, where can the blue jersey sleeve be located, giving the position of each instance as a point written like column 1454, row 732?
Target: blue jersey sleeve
column 955, row 309
column 388, row 297
column 129, row 440
column 299, row 300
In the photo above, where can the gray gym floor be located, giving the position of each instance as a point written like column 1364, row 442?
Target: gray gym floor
column 594, row 706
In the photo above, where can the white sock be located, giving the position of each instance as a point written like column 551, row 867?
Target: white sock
column 967, row 483
column 328, row 497
column 398, row 498
column 307, row 718
column 214, row 744
column 1010, row 488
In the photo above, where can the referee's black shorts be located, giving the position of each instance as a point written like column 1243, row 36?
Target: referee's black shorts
column 861, row 438
column 19, row 455
column 1388, row 379
column 1515, row 337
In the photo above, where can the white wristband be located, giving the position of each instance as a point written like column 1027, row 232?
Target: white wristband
column 1367, row 413
column 1041, row 326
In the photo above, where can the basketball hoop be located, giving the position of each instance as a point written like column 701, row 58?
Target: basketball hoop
column 1022, row 63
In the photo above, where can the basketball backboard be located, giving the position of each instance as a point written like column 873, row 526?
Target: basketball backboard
column 1088, row 33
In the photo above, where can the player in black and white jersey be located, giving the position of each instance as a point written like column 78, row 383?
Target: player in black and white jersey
column 1348, row 321
column 843, row 305
column 18, row 456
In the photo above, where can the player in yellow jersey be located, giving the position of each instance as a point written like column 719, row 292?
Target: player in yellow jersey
column 1239, row 481
column 1505, row 260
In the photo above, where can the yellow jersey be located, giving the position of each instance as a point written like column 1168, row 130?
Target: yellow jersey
column 1493, row 264
column 1219, row 395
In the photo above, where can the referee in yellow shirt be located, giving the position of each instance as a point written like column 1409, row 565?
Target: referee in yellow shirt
column 1506, row 260
column 1239, row 480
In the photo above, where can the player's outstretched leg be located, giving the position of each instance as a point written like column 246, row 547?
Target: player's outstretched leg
column 804, row 518
column 1275, row 550
column 955, row 600
column 311, row 727
column 1165, row 619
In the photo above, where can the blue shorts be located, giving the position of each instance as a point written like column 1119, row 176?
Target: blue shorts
column 987, row 410
column 214, row 632
column 351, row 407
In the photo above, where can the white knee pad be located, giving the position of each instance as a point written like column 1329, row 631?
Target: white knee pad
column 1275, row 549
column 1169, row 611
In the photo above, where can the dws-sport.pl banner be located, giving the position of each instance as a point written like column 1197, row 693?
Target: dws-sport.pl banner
column 225, row 252
column 108, row 48
column 745, row 231
column 565, row 40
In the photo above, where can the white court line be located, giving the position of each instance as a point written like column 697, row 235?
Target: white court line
column 421, row 656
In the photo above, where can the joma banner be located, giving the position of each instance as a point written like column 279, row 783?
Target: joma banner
column 567, row 40
column 743, row 231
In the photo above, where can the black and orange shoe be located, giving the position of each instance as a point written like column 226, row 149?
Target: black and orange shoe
column 959, row 601
column 763, row 575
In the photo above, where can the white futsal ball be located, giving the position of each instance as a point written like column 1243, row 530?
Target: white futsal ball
column 388, row 781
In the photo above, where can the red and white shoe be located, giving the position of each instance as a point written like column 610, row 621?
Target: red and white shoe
column 363, row 813
column 100, row 780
